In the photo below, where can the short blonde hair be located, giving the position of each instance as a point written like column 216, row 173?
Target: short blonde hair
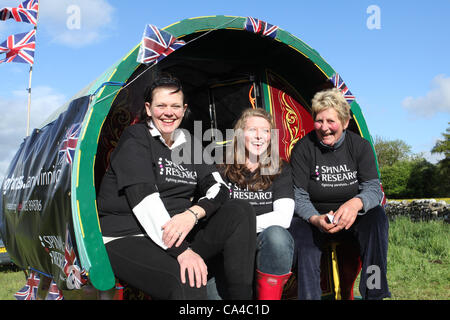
column 331, row 98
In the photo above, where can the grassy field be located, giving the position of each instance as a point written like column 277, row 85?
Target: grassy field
column 11, row 280
column 419, row 260
column 418, row 263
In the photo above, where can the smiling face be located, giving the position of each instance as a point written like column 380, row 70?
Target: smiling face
column 257, row 136
column 328, row 127
column 166, row 110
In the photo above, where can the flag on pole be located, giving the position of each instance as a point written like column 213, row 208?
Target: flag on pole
column 156, row 45
column 19, row 47
column 27, row 12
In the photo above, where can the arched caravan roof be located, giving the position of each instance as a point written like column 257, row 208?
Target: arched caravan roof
column 219, row 58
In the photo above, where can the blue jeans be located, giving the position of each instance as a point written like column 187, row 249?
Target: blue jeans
column 274, row 255
column 274, row 251
column 369, row 231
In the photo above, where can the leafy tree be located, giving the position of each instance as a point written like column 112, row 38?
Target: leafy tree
column 407, row 175
column 390, row 151
column 395, row 179
column 443, row 146
column 423, row 179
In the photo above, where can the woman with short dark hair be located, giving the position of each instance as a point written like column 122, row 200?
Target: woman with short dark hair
column 162, row 220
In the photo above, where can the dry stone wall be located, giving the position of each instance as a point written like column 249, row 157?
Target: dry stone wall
column 419, row 210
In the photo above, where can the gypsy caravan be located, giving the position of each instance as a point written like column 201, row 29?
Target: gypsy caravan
column 49, row 219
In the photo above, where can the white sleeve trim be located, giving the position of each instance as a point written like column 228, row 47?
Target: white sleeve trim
column 152, row 215
column 212, row 192
column 283, row 210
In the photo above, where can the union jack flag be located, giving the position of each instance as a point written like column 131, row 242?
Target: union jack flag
column 29, row 291
column 260, row 27
column 69, row 144
column 54, row 293
column 19, row 48
column 157, row 44
column 27, row 12
column 340, row 84
column 75, row 277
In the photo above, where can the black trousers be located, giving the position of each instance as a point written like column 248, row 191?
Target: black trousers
column 231, row 231
column 369, row 231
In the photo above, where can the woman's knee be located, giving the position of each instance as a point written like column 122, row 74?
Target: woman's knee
column 276, row 238
column 275, row 250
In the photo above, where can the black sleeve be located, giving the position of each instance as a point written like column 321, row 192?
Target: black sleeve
column 176, row 251
column 300, row 164
column 367, row 168
column 282, row 185
column 132, row 161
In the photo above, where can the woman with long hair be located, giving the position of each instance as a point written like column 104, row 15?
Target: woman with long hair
column 255, row 173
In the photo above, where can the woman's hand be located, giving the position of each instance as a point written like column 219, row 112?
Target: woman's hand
column 195, row 266
column 321, row 222
column 344, row 217
column 177, row 228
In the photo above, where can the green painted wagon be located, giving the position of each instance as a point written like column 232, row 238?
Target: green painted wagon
column 49, row 215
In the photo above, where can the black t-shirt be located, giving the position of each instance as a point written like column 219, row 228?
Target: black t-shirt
column 262, row 200
column 332, row 176
column 144, row 161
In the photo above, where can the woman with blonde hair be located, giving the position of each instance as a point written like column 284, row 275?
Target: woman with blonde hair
column 256, row 174
column 337, row 196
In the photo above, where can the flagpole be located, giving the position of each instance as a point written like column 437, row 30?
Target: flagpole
column 29, row 79
column 29, row 101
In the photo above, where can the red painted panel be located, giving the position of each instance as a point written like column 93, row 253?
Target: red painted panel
column 290, row 116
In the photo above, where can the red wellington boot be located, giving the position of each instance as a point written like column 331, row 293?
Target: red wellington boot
column 270, row 286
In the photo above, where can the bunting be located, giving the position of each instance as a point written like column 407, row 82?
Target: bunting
column 260, row 27
column 340, row 84
column 157, row 44
column 29, row 291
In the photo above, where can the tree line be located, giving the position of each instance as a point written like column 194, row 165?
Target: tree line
column 405, row 175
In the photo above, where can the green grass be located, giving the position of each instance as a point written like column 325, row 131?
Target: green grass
column 418, row 260
column 11, row 280
column 418, row 263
